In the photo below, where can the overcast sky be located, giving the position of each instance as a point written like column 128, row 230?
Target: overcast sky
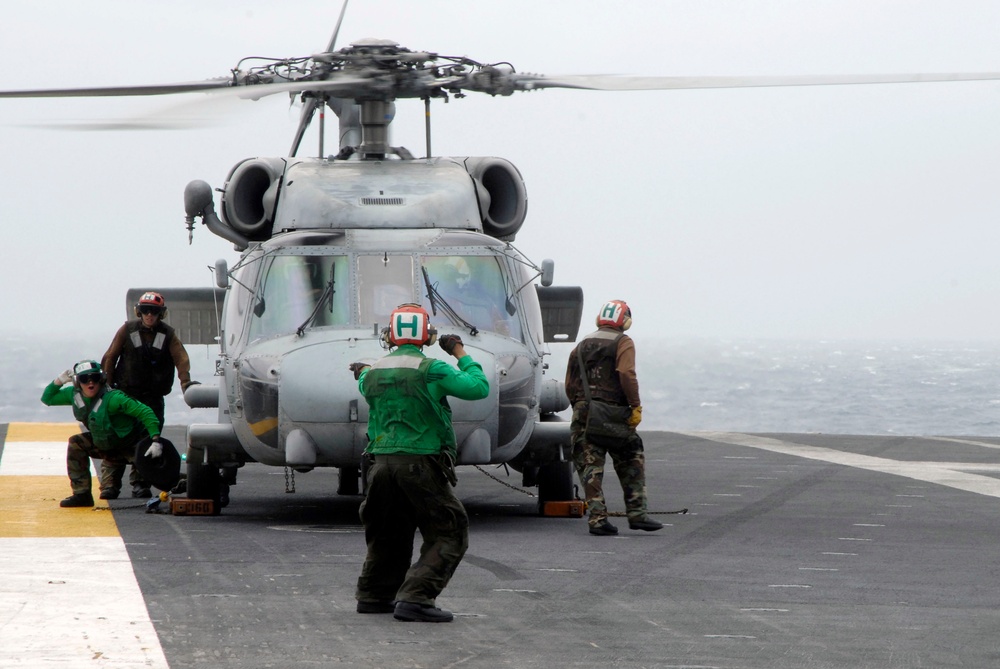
column 840, row 212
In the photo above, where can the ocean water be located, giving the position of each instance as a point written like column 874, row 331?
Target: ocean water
column 846, row 387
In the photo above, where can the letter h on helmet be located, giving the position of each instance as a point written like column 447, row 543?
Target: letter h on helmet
column 151, row 303
column 410, row 324
column 615, row 314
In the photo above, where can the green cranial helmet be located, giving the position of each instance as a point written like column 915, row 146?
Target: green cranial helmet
column 87, row 368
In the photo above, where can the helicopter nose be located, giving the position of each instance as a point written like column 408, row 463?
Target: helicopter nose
column 259, row 377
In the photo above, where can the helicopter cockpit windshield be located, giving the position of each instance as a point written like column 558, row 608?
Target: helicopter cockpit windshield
column 466, row 291
column 472, row 289
column 291, row 289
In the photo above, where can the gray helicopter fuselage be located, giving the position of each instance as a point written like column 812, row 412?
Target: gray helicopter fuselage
column 278, row 382
column 329, row 249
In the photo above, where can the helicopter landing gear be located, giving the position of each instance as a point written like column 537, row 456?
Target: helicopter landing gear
column 348, row 484
column 205, row 482
column 555, row 482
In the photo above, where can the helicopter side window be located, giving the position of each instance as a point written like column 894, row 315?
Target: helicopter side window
column 238, row 303
column 384, row 283
column 474, row 288
column 291, row 289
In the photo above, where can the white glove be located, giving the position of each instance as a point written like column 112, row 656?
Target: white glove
column 64, row 378
column 155, row 450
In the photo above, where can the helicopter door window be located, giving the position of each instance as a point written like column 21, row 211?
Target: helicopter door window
column 290, row 290
column 384, row 283
column 474, row 288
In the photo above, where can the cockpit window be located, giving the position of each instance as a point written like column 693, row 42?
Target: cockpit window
column 473, row 288
column 291, row 287
column 384, row 282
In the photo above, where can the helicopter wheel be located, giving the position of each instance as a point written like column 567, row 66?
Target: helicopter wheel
column 555, row 482
column 348, row 484
column 205, row 482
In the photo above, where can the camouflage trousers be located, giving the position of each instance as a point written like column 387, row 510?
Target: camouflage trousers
column 80, row 450
column 113, row 473
column 407, row 493
column 629, row 462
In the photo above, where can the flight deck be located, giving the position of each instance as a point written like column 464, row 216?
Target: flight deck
column 799, row 550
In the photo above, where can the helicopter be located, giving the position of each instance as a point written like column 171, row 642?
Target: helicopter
column 330, row 244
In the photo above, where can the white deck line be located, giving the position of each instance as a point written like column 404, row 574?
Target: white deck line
column 954, row 475
column 69, row 602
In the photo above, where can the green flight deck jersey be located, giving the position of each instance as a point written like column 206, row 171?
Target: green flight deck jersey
column 408, row 408
column 112, row 416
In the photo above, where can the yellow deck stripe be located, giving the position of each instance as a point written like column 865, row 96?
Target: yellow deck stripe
column 29, row 507
column 41, row 431
column 69, row 597
column 33, row 481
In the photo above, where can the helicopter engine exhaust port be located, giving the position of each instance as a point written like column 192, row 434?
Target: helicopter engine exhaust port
column 503, row 199
column 251, row 195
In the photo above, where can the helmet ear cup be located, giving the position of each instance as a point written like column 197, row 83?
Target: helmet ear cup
column 432, row 335
column 628, row 323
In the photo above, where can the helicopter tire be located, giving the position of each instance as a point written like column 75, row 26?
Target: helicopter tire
column 205, row 482
column 555, row 482
column 348, row 484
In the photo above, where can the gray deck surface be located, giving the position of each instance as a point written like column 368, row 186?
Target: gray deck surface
column 787, row 559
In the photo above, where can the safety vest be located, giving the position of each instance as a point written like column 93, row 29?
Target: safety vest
column 403, row 416
column 600, row 353
column 81, row 406
column 146, row 369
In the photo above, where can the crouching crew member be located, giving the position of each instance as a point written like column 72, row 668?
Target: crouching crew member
column 116, row 423
column 412, row 445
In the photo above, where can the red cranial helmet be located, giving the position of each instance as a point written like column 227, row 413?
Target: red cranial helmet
column 151, row 303
column 615, row 314
column 410, row 324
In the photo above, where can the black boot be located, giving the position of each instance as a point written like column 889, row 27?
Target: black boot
column 423, row 613
column 78, row 499
column 603, row 529
column 646, row 523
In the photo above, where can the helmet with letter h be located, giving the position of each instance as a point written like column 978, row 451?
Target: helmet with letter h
column 409, row 324
column 615, row 314
column 151, row 303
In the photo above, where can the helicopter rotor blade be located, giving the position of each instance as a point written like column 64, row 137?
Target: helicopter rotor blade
column 643, row 83
column 121, row 91
column 308, row 109
column 222, row 87
column 333, row 38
